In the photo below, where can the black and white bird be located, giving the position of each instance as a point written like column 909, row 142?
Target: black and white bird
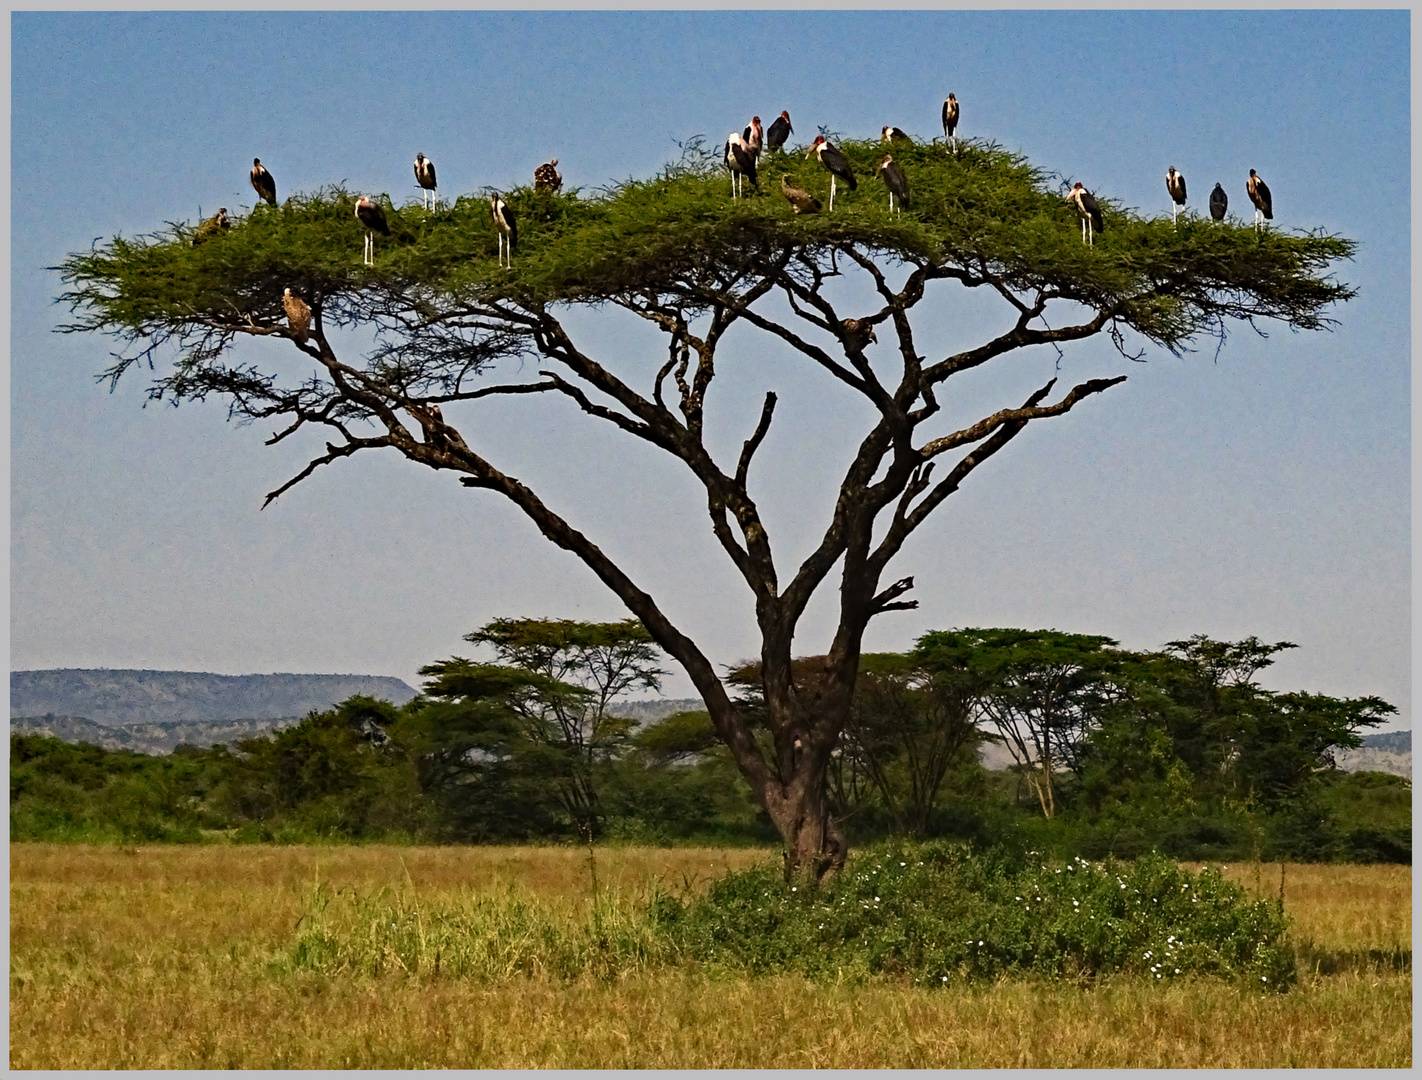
column 1219, row 203
column 1259, row 196
column 1089, row 211
column 835, row 163
column 895, row 180
column 213, row 226
column 372, row 216
column 778, row 132
column 298, row 315
column 950, row 120
column 547, row 177
column 507, row 226
column 891, row 134
column 741, row 161
column 262, row 181
column 754, row 137
column 801, row 201
column 1175, row 185
column 425, row 177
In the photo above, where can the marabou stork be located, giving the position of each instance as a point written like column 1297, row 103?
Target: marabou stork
column 1259, row 196
column 298, row 316
column 754, row 137
column 950, row 120
column 372, row 217
column 213, row 226
column 741, row 161
column 1175, row 184
column 1089, row 212
column 547, row 177
column 507, row 226
column 801, row 201
column 263, row 182
column 425, row 177
column 895, row 180
column 891, row 134
column 835, row 162
column 1219, row 203
column 779, row 131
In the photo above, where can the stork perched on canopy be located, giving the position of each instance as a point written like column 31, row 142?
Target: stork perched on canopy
column 895, row 180
column 1219, row 203
column 778, row 132
column 801, row 201
column 754, row 137
column 298, row 315
column 891, row 134
column 213, row 226
column 425, row 177
column 741, row 161
column 506, row 224
column 1260, row 197
column 1175, row 185
column 950, row 120
column 1089, row 211
column 372, row 216
column 835, row 163
column 547, row 177
column 262, row 181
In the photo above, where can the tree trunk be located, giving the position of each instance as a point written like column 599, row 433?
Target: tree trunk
column 814, row 844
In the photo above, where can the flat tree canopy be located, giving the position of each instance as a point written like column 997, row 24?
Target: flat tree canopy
column 444, row 321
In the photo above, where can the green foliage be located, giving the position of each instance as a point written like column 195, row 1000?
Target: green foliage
column 938, row 913
column 65, row 792
column 982, row 208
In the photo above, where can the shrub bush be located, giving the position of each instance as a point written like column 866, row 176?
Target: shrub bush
column 939, row 913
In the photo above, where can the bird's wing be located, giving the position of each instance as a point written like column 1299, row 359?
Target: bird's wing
column 1266, row 203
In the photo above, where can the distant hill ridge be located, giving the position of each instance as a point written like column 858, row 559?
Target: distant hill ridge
column 116, row 696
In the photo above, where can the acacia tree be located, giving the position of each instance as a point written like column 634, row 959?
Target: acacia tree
column 443, row 320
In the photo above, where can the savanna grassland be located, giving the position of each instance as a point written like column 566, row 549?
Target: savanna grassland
column 181, row 957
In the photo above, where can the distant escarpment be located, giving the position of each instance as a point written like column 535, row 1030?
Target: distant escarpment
column 112, row 697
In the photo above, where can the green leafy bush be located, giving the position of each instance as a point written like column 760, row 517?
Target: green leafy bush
column 939, row 913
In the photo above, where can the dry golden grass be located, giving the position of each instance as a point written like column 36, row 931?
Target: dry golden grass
column 156, row 958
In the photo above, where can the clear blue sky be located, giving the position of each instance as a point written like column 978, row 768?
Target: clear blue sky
column 1263, row 492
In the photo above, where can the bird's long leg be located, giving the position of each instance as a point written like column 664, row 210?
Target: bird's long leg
column 1090, row 232
column 831, row 193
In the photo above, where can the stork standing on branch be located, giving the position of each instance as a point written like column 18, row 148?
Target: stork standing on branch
column 1219, row 203
column 754, row 137
column 372, row 216
column 425, row 177
column 801, row 201
column 506, row 224
column 741, row 161
column 778, row 132
column 895, row 180
column 835, row 162
column 1175, row 184
column 547, row 177
column 1260, row 197
column 950, row 120
column 891, row 134
column 262, row 181
column 1089, row 211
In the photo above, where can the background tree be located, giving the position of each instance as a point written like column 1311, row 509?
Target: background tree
column 447, row 327
column 1042, row 690
column 536, row 728
column 908, row 728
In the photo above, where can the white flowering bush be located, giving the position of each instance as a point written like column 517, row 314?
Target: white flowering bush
column 940, row 914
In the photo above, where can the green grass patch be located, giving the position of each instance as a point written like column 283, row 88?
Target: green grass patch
column 933, row 914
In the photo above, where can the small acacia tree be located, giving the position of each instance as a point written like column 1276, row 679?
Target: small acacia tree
column 443, row 318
